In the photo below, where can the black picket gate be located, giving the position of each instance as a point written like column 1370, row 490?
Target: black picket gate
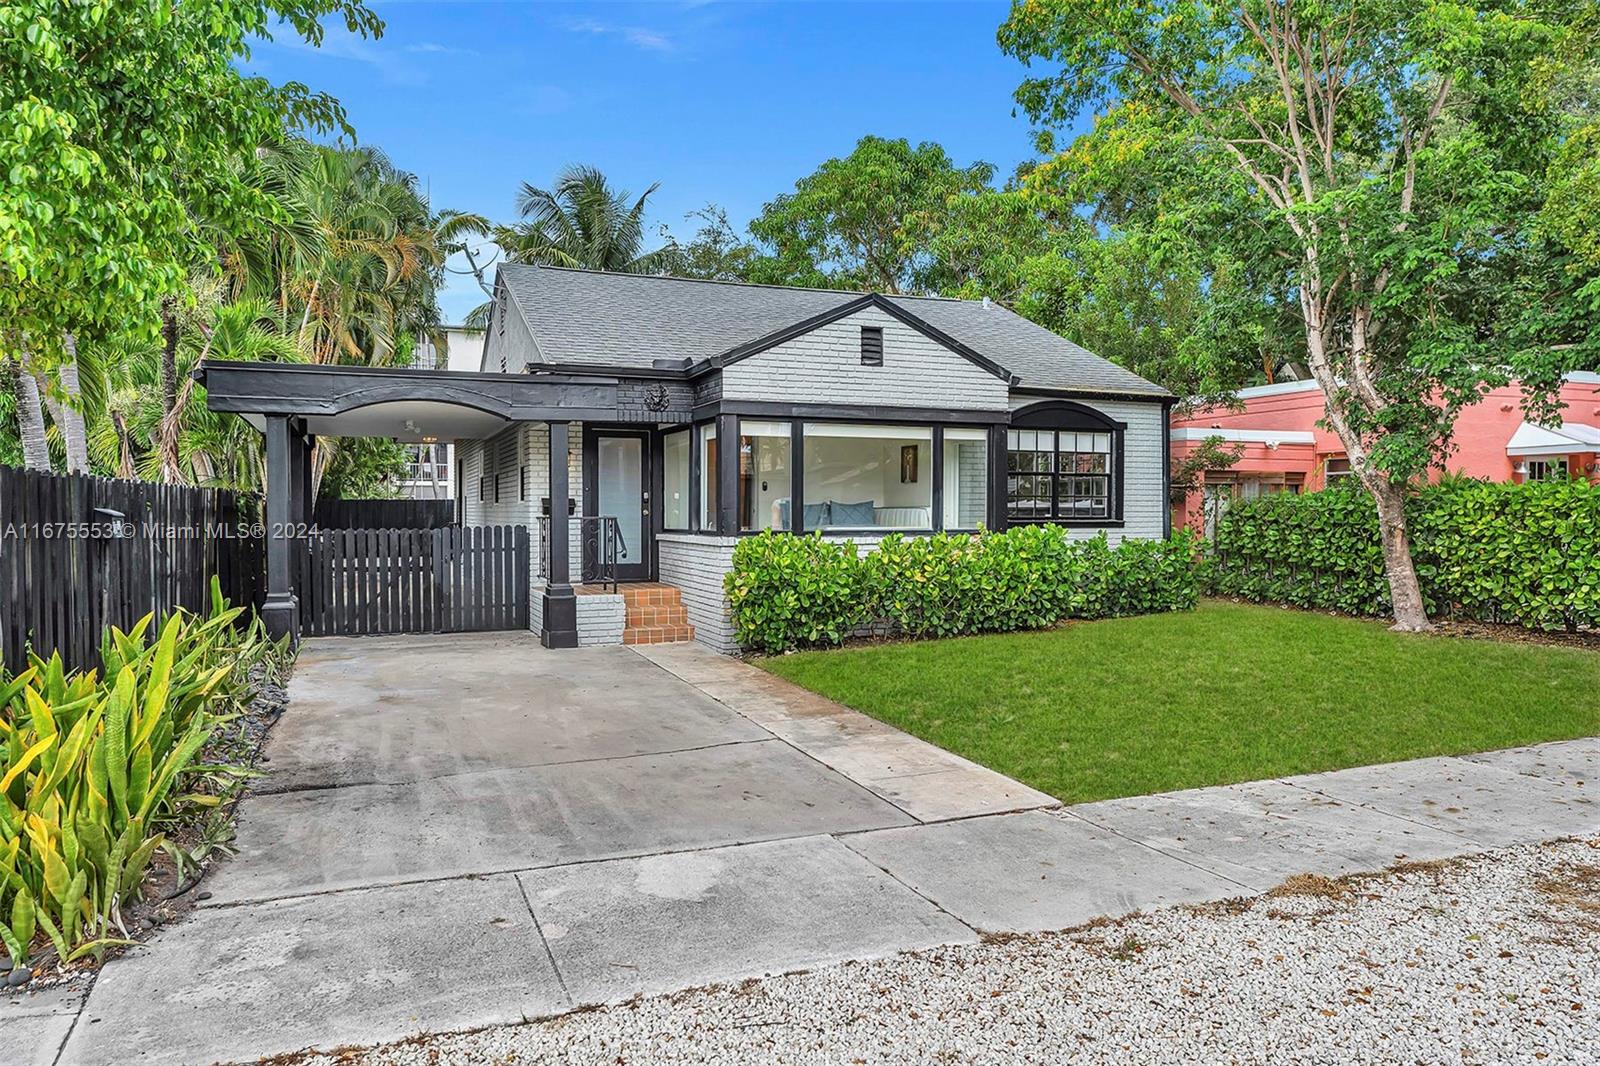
column 358, row 582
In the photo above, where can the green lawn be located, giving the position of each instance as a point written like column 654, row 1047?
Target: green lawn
column 1224, row 693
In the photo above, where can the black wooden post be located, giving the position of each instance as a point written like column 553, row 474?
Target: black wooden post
column 728, row 475
column 280, row 612
column 560, row 612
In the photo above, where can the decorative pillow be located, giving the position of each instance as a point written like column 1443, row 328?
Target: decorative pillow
column 861, row 515
column 815, row 516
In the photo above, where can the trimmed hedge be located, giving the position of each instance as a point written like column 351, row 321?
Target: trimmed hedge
column 786, row 591
column 1526, row 554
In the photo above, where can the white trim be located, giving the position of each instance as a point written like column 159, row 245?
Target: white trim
column 1280, row 388
column 1270, row 437
column 1582, row 377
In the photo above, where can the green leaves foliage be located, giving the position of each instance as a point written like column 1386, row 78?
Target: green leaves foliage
column 786, row 591
column 122, row 130
column 864, row 221
column 1525, row 554
column 88, row 768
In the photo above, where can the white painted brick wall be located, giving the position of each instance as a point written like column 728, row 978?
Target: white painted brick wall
column 824, row 366
column 601, row 620
column 696, row 565
column 1144, row 500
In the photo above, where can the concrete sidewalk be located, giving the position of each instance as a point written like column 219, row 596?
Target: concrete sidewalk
column 475, row 831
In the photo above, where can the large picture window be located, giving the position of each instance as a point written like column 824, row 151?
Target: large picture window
column 966, row 477
column 766, row 474
column 1065, row 472
column 867, row 477
column 675, row 480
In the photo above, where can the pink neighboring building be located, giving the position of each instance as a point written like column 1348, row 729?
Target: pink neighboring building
column 1286, row 451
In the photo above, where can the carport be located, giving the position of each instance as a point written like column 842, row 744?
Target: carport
column 293, row 404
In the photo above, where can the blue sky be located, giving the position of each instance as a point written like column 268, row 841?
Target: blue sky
column 723, row 102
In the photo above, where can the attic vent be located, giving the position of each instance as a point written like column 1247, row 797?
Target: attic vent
column 871, row 345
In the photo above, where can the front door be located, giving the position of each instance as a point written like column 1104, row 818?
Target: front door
column 619, row 487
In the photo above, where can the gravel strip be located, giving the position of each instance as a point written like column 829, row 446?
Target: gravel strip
column 1490, row 959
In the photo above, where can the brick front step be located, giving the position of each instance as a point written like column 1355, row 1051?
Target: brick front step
column 657, row 634
column 656, row 614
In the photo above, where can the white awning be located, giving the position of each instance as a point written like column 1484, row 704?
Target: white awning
column 1534, row 440
column 1270, row 437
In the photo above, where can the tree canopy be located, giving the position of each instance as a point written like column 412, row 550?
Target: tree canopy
column 1384, row 159
column 582, row 221
column 122, row 127
column 865, row 221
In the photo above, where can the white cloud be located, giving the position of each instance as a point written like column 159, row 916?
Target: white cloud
column 435, row 48
column 338, row 43
column 638, row 36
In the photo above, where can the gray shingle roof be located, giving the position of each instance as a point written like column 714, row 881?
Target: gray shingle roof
column 630, row 320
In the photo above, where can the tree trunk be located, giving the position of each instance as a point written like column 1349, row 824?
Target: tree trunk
column 169, row 356
column 167, row 434
column 30, row 416
column 124, row 447
column 1410, row 611
column 73, row 433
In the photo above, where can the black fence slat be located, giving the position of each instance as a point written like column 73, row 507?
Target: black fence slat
column 65, row 575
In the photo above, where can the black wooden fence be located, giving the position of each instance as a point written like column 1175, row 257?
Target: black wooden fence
column 81, row 553
column 384, row 514
column 356, row 582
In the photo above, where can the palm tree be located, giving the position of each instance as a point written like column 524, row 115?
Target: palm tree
column 140, row 431
column 583, row 222
column 358, row 263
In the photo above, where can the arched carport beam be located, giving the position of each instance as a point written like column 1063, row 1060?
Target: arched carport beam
column 313, row 390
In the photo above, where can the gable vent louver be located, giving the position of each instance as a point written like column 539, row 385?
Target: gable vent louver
column 871, row 345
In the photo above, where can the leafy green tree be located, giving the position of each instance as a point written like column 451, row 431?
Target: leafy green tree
column 716, row 252
column 366, row 468
column 121, row 124
column 1384, row 154
column 865, row 221
column 582, row 221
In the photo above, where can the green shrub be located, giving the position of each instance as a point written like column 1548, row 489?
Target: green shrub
column 786, row 591
column 92, row 764
column 1526, row 554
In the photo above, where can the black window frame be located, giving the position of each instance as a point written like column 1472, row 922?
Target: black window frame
column 1057, row 417
column 797, row 452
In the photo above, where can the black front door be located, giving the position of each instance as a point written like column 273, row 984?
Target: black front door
column 617, row 485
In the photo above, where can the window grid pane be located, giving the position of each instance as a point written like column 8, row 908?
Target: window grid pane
column 1058, row 475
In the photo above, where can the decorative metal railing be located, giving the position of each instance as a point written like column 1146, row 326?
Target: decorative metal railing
column 601, row 545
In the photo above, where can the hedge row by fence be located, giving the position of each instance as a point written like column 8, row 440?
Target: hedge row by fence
column 1526, row 554
column 786, row 591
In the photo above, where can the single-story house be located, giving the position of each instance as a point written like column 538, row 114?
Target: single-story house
column 1282, row 446
column 675, row 416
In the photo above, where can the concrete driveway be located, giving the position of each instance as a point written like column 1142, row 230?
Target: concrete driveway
column 472, row 830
